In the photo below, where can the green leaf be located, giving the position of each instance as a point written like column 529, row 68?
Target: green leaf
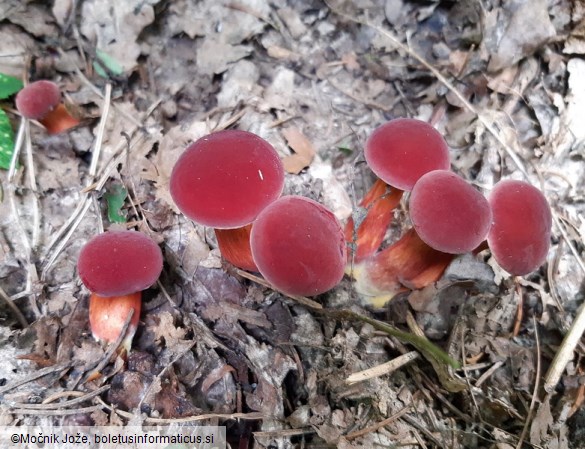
column 115, row 200
column 345, row 150
column 107, row 61
column 9, row 85
column 6, row 141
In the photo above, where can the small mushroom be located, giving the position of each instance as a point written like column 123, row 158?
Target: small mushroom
column 402, row 150
column 41, row 100
column 519, row 238
column 448, row 214
column 116, row 266
column 298, row 246
column 224, row 180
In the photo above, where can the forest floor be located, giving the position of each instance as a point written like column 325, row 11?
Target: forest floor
column 504, row 82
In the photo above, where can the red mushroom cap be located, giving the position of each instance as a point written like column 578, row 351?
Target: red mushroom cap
column 118, row 263
column 225, row 179
column 402, row 150
column 38, row 99
column 448, row 214
column 299, row 246
column 520, row 235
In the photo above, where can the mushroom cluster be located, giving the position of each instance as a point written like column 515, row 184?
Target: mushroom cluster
column 231, row 180
column 449, row 216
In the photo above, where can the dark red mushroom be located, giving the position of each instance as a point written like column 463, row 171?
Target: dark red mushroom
column 116, row 266
column 448, row 214
column 298, row 246
column 399, row 153
column 41, row 101
column 402, row 150
column 224, row 180
column 519, row 238
column 117, row 263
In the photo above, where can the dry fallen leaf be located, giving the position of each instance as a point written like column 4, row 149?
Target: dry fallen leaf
column 304, row 152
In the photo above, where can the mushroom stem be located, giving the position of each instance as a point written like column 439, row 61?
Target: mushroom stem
column 108, row 315
column 379, row 203
column 408, row 264
column 58, row 120
column 234, row 245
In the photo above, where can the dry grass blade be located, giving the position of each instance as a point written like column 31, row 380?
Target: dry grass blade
column 40, row 373
column 186, row 419
column 536, row 387
column 61, row 405
column 375, row 427
column 60, row 412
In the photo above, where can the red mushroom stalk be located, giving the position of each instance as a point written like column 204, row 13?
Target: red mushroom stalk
column 378, row 203
column 520, row 235
column 299, row 246
column 224, row 180
column 41, row 101
column 449, row 217
column 116, row 266
column 399, row 153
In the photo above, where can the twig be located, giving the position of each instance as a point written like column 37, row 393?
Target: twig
column 485, row 376
column 536, row 387
column 28, row 411
column 32, row 180
column 147, row 393
column 31, row 275
column 378, row 425
column 61, row 405
column 40, row 373
column 382, row 369
column 18, row 314
column 572, row 338
column 300, row 299
column 113, row 347
column 186, row 419
column 95, row 155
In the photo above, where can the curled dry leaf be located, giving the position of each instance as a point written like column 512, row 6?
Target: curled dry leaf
column 304, row 152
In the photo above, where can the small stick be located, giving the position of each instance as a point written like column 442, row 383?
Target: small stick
column 382, row 369
column 17, row 313
column 40, row 373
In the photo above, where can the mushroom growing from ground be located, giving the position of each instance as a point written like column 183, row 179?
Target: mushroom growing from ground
column 449, row 217
column 399, row 153
column 520, row 235
column 299, row 246
column 224, row 180
column 448, row 214
column 41, row 100
column 116, row 266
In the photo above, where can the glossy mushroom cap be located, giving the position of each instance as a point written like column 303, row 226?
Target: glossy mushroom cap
column 298, row 246
column 520, row 235
column 225, row 179
column 449, row 214
column 38, row 99
column 118, row 263
column 402, row 150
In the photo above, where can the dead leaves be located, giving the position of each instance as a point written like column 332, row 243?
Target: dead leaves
column 304, row 152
